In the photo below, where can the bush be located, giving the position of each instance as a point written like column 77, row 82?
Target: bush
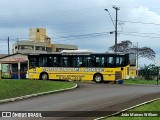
column 148, row 72
column 5, row 76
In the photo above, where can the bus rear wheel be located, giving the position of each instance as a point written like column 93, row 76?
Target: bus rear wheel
column 98, row 78
column 44, row 76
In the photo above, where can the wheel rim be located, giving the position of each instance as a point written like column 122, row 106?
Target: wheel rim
column 44, row 77
column 98, row 78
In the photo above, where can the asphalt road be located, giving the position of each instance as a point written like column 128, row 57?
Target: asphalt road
column 89, row 97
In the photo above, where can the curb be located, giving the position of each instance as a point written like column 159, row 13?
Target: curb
column 141, row 84
column 128, row 109
column 37, row 94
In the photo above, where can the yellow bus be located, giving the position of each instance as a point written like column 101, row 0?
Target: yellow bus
column 132, row 71
column 98, row 67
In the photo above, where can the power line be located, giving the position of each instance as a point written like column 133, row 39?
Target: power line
column 139, row 35
column 92, row 35
column 73, row 37
column 140, row 22
column 69, row 39
column 82, row 35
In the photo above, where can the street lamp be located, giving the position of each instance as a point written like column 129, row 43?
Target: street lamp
column 115, row 25
column 110, row 17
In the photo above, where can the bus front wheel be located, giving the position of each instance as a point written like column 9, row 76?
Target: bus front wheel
column 44, row 76
column 98, row 78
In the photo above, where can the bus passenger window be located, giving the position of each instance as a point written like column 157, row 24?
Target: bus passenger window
column 74, row 62
column 33, row 62
column 117, row 61
column 109, row 62
column 64, row 62
column 99, row 62
column 87, row 62
column 120, row 61
column 79, row 62
column 55, row 62
column 43, row 62
column 50, row 64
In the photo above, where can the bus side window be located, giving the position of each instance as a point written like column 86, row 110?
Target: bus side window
column 50, row 64
column 87, row 62
column 43, row 62
column 100, row 62
column 120, row 61
column 33, row 62
column 84, row 63
column 75, row 62
column 55, row 62
column 96, row 62
column 117, row 61
column 79, row 62
column 64, row 62
column 109, row 62
column 60, row 62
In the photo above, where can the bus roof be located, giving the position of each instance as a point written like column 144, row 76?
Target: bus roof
column 78, row 53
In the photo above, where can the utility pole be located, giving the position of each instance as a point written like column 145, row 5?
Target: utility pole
column 116, row 8
column 8, row 47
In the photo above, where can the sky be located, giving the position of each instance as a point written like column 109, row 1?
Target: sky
column 84, row 23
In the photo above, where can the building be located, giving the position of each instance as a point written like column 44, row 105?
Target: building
column 15, row 65
column 39, row 42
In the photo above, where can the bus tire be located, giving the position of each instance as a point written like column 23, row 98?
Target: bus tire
column 98, row 78
column 44, row 76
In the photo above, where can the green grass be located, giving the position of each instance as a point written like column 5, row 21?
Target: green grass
column 16, row 88
column 150, row 107
column 139, row 81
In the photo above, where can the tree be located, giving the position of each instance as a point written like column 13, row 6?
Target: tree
column 148, row 72
column 126, row 47
column 144, row 52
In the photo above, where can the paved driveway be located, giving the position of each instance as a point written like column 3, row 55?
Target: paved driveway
column 87, row 97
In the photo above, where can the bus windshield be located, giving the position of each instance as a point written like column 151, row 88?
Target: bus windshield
column 132, row 59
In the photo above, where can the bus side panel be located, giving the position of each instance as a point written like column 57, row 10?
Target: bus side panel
column 33, row 74
column 112, row 74
column 109, row 74
column 109, row 77
column 70, row 76
column 132, row 71
column 126, row 72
